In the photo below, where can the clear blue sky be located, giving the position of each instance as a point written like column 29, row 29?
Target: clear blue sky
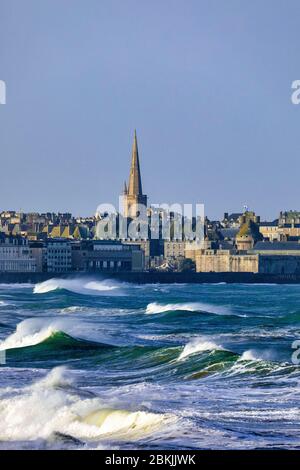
column 207, row 84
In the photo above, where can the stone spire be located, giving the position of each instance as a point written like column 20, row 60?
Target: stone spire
column 133, row 197
column 135, row 182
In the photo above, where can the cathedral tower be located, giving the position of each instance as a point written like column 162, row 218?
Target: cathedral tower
column 133, row 194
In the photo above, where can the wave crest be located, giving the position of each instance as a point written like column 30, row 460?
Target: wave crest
column 78, row 286
column 55, row 334
column 155, row 307
column 199, row 345
column 53, row 406
column 29, row 333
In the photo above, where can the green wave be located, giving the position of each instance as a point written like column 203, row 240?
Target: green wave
column 58, row 345
column 145, row 361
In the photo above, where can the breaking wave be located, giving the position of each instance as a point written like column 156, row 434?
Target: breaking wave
column 155, row 307
column 254, row 355
column 31, row 332
column 50, row 407
column 199, row 345
column 56, row 341
column 49, row 335
column 249, row 355
column 78, row 286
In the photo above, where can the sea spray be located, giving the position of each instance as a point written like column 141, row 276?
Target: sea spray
column 51, row 406
column 258, row 355
column 33, row 331
column 199, row 345
column 155, row 307
column 79, row 286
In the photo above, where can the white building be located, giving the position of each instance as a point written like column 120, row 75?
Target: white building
column 15, row 255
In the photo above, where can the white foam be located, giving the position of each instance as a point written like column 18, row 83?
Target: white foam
column 31, row 332
column 198, row 345
column 57, row 377
column 248, row 356
column 155, row 307
column 72, row 309
column 49, row 407
column 110, row 421
column 81, row 286
column 100, row 286
column 253, row 355
column 12, row 286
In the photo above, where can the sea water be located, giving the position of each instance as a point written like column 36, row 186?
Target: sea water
column 97, row 364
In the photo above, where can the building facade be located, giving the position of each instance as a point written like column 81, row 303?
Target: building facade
column 107, row 256
column 225, row 261
column 15, row 255
column 269, row 230
column 265, row 257
column 58, row 256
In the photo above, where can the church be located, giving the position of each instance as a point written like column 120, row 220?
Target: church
column 157, row 249
column 133, row 193
column 134, row 201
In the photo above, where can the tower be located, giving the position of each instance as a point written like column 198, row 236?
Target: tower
column 133, row 194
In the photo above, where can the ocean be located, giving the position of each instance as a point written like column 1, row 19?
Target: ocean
column 100, row 364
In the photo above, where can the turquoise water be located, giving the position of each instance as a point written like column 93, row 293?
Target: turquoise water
column 108, row 365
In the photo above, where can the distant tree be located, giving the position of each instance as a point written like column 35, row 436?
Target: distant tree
column 186, row 264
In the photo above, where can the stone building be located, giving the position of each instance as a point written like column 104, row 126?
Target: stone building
column 192, row 248
column 289, row 217
column 225, row 261
column 277, row 248
column 174, row 249
column 106, row 256
column 269, row 230
column 231, row 220
column 264, row 257
column 38, row 253
column 58, row 257
column 15, row 254
column 144, row 245
column 288, row 226
column 249, row 232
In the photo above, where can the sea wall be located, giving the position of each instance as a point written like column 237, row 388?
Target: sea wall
column 159, row 277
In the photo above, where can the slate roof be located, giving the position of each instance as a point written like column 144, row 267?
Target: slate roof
column 274, row 223
column 229, row 232
column 234, row 216
column 276, row 246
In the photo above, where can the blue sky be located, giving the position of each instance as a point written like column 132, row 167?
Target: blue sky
column 206, row 83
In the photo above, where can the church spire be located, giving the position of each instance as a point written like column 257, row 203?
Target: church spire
column 135, row 182
column 133, row 197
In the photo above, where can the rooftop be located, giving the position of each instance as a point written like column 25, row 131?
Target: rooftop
column 276, row 246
